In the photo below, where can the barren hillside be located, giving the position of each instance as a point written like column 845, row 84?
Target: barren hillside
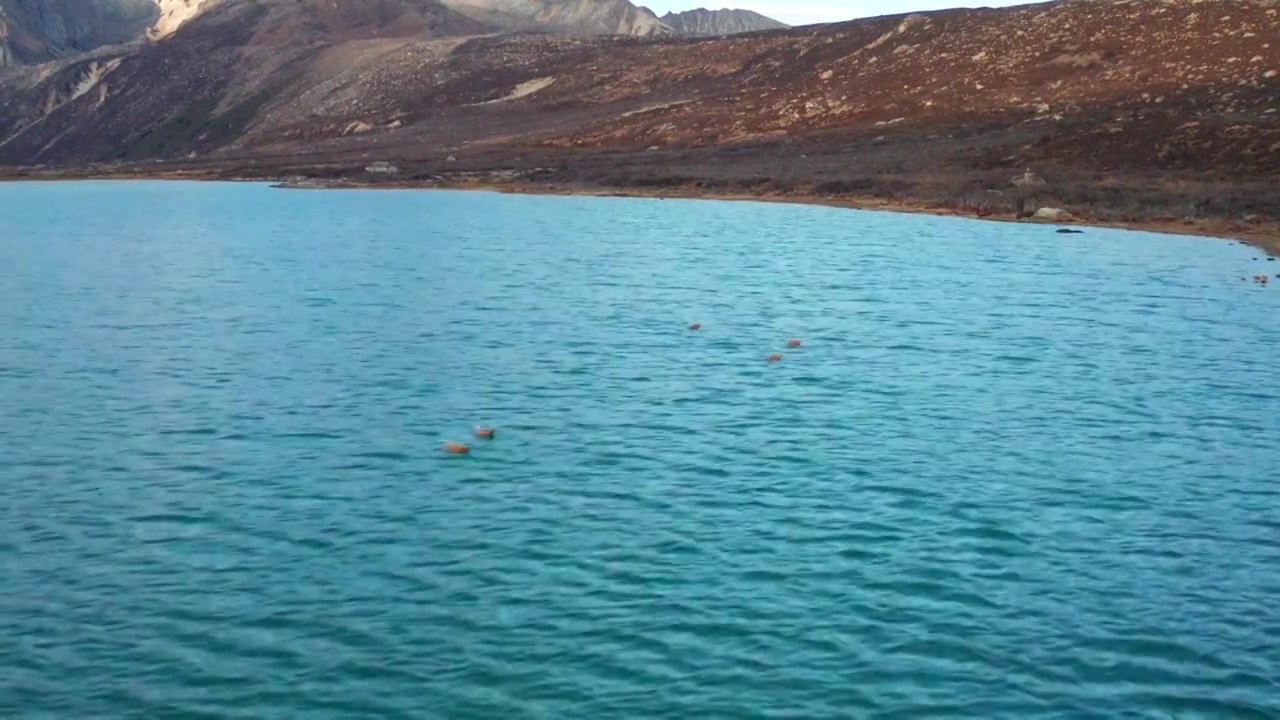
column 35, row 31
column 1172, row 101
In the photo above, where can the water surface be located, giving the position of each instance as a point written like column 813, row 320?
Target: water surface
column 1009, row 474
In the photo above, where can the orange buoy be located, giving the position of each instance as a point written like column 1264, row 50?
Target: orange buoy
column 775, row 357
column 793, row 343
column 485, row 431
column 695, row 326
column 456, row 448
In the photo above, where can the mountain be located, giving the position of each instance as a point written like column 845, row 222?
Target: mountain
column 945, row 106
column 709, row 23
column 601, row 17
column 33, row 31
column 206, row 84
column 38, row 30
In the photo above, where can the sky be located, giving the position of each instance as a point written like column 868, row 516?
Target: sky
column 803, row 12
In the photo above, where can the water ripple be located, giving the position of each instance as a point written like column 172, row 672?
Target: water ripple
column 1005, row 475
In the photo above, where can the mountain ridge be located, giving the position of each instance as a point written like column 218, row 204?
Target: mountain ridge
column 606, row 17
column 711, row 23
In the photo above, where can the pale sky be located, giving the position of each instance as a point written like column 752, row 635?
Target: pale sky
column 804, row 12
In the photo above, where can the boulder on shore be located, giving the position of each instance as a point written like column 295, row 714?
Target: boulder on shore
column 1054, row 214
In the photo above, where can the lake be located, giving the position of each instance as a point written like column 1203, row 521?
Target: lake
column 1008, row 474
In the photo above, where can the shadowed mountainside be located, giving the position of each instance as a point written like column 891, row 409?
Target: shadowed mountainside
column 39, row 30
column 35, row 31
column 1137, row 108
column 201, row 88
column 709, row 23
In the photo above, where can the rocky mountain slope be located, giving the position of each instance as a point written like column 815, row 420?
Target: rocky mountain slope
column 1149, row 106
column 605, row 17
column 35, row 31
column 38, row 30
column 710, row 23
column 172, row 14
column 203, row 86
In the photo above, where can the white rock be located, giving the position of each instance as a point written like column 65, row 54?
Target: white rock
column 1048, row 213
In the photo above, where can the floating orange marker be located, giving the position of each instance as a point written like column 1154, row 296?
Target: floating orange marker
column 793, row 343
column 456, row 448
column 695, row 326
column 775, row 357
column 485, row 431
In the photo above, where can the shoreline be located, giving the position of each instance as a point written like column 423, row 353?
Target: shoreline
column 1262, row 237
column 1268, row 242
column 1265, row 239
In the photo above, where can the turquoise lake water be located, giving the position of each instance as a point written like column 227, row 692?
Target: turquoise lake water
column 1009, row 474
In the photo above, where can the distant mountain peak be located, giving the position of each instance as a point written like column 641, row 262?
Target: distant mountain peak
column 594, row 17
column 720, row 22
